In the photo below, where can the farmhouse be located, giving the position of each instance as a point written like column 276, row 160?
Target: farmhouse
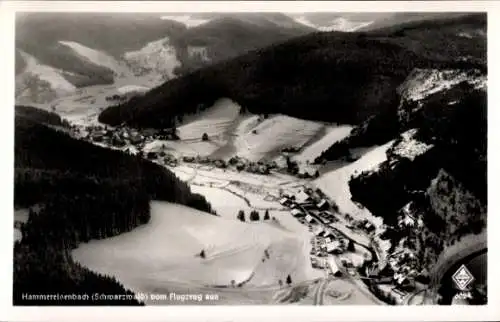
column 285, row 201
column 327, row 213
column 334, row 269
column 309, row 219
column 303, row 197
column 333, row 247
column 323, row 204
column 318, row 231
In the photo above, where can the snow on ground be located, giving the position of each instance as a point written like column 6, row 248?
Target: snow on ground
column 157, row 56
column 162, row 252
column 132, row 88
column 187, row 20
column 215, row 121
column 350, row 292
column 424, row 82
column 335, row 184
column 267, row 138
column 332, row 134
column 48, row 74
column 247, row 124
column 94, row 56
column 338, row 24
column 183, row 148
column 248, row 136
column 83, row 106
column 223, row 202
column 409, row 147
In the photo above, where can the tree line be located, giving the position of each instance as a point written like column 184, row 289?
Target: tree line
column 254, row 215
column 84, row 192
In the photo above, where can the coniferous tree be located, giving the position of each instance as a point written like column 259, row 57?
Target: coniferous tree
column 241, row 215
column 254, row 215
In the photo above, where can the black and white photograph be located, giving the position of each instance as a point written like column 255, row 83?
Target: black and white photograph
column 250, row 158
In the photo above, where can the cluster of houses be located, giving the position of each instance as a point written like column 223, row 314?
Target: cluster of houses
column 404, row 265
column 259, row 167
column 309, row 206
column 363, row 225
column 122, row 136
column 329, row 242
column 218, row 163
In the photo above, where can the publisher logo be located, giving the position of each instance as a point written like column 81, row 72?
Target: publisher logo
column 462, row 278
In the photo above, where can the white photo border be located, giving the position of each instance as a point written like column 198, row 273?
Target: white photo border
column 245, row 313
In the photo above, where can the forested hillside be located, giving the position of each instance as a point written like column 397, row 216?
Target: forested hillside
column 81, row 192
column 337, row 77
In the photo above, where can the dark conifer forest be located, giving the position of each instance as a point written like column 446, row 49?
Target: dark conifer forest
column 83, row 192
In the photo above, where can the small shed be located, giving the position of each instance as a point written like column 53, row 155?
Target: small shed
column 323, row 204
column 284, row 201
column 333, row 246
column 309, row 218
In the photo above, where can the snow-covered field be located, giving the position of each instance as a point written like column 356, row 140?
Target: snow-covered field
column 183, row 148
column 267, row 138
column 215, row 121
column 332, row 134
column 335, row 184
column 94, row 56
column 223, row 202
column 248, row 136
column 53, row 77
column 163, row 252
column 132, row 88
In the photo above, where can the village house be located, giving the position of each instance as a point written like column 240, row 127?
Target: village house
column 298, row 213
column 285, row 201
column 303, row 197
column 323, row 204
column 309, row 219
column 333, row 247
column 313, row 211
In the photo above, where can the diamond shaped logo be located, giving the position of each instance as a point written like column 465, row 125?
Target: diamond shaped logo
column 462, row 278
